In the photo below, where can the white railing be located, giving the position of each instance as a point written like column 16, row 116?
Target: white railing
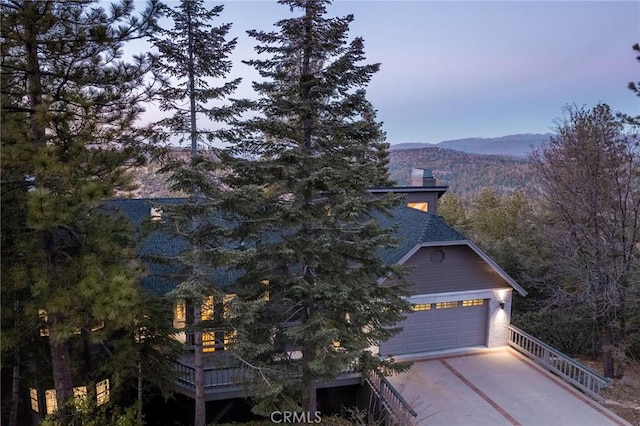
column 397, row 411
column 558, row 363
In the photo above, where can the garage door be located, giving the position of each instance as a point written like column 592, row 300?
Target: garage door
column 438, row 326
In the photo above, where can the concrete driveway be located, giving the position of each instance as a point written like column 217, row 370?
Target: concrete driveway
column 495, row 387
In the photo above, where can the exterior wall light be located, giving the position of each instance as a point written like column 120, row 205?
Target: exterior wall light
column 502, row 305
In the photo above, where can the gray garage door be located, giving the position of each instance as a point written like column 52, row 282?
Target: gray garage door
column 439, row 326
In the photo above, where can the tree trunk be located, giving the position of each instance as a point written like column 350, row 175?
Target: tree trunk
column 607, row 349
column 198, row 364
column 62, row 378
column 309, row 400
column 15, row 391
column 35, row 76
column 192, row 90
column 140, row 388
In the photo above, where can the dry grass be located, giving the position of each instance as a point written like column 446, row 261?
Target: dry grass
column 623, row 395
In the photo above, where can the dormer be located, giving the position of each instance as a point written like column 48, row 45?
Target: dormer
column 422, row 194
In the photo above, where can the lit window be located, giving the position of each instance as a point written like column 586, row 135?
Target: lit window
column 179, row 315
column 266, row 292
column 208, row 341
column 33, row 395
column 50, row 401
column 421, row 307
column 226, row 304
column 156, row 213
column 446, row 305
column 336, row 343
column 473, row 302
column 230, row 339
column 207, row 308
column 424, row 206
column 97, row 325
column 102, row 392
column 44, row 329
column 79, row 394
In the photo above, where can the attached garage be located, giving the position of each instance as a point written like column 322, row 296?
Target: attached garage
column 439, row 326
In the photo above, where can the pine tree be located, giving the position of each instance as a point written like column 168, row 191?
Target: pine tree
column 309, row 304
column 192, row 55
column 69, row 106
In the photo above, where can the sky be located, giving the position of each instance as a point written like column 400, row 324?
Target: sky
column 460, row 69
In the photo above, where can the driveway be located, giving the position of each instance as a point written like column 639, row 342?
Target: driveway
column 495, row 387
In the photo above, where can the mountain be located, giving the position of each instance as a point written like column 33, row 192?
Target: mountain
column 512, row 145
column 466, row 174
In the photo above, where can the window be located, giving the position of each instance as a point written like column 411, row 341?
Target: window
column 424, row 206
column 227, row 299
column 446, row 305
column 44, row 318
column 79, row 394
column 155, row 213
column 230, row 339
column 208, row 341
column 265, row 296
column 207, row 309
column 50, row 401
column 33, row 396
column 102, row 392
column 179, row 314
column 421, row 307
column 473, row 302
column 97, row 325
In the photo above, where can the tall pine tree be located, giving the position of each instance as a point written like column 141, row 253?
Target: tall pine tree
column 310, row 304
column 194, row 55
column 69, row 111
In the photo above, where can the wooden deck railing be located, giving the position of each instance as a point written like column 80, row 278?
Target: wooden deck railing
column 555, row 361
column 214, row 377
column 397, row 411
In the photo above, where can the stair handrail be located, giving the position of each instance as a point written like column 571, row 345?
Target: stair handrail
column 399, row 410
column 568, row 369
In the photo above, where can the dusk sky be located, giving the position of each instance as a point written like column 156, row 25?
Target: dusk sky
column 453, row 69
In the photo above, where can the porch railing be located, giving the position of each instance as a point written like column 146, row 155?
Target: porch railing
column 397, row 410
column 214, row 377
column 586, row 380
column 231, row 372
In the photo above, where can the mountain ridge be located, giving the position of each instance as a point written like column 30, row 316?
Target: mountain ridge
column 517, row 145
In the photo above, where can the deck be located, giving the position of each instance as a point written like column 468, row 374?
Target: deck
column 225, row 376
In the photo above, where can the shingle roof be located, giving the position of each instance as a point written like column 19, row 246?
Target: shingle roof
column 158, row 250
column 411, row 227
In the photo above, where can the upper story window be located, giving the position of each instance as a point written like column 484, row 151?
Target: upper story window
column 155, row 213
column 422, row 206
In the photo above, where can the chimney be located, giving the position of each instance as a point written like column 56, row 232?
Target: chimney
column 422, row 177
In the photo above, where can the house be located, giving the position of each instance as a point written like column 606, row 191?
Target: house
column 461, row 298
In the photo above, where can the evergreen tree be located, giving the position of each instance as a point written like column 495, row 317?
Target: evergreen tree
column 69, row 106
column 309, row 303
column 193, row 54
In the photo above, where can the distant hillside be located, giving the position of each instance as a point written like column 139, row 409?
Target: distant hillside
column 466, row 174
column 513, row 145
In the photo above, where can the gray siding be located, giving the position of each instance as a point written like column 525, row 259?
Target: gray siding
column 461, row 270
